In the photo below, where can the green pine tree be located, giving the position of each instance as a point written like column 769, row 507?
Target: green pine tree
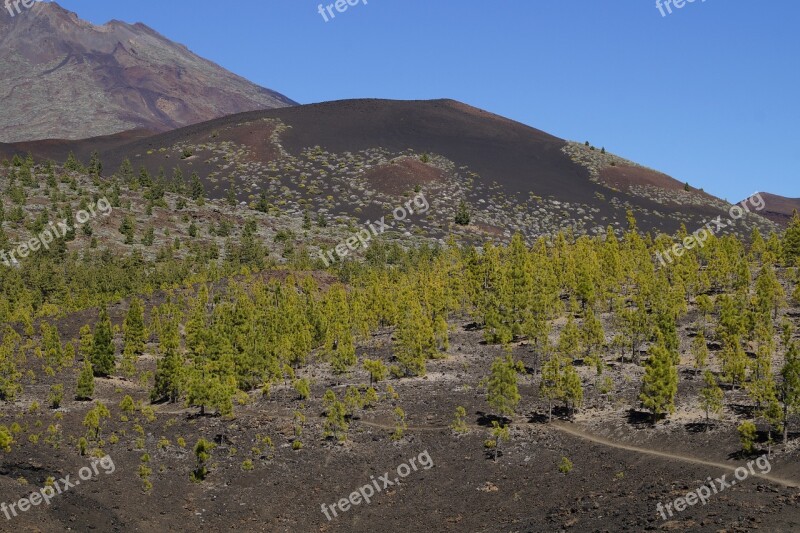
column 103, row 349
column 791, row 240
column 133, row 328
column 85, row 388
column 660, row 382
column 502, row 390
column 711, row 396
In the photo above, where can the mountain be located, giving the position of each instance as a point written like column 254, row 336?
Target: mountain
column 779, row 208
column 64, row 78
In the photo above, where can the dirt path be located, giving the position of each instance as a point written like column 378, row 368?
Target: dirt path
column 576, row 431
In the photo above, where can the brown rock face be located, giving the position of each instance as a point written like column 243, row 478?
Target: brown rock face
column 62, row 77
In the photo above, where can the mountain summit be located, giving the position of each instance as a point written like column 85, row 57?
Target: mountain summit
column 63, row 77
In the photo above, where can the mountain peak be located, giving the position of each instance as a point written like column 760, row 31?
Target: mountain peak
column 63, row 77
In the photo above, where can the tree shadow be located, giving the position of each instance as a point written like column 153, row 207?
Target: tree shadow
column 742, row 410
column 639, row 419
column 538, row 418
column 699, row 427
column 486, row 419
column 198, row 416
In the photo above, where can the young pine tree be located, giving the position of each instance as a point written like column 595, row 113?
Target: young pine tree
column 552, row 384
column 103, row 346
column 133, row 327
column 700, row 352
column 711, row 396
column 85, row 388
column 790, row 387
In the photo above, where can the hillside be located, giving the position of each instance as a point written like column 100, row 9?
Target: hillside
column 64, row 78
column 779, row 208
column 355, row 158
column 201, row 353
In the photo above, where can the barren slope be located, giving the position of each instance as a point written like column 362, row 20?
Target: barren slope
column 62, row 77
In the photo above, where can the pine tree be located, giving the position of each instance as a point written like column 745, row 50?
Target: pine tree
column 377, row 370
column 791, row 241
column 502, row 390
column 463, row 216
column 168, row 379
column 197, row 189
column 51, row 341
column 500, row 433
column 103, row 346
column 592, row 335
column 711, row 396
column 790, row 387
column 734, row 361
column 86, row 343
column 335, row 417
column 770, row 295
column 339, row 343
column 126, row 171
column 416, row 340
column 700, row 352
column 552, row 384
column 202, row 453
column 85, row 387
column 95, row 165
column 660, row 382
column 573, row 389
column 133, row 327
column 569, row 341
column 11, row 359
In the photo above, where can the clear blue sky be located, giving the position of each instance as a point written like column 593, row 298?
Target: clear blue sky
column 708, row 94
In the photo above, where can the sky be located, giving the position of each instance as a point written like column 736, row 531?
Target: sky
column 707, row 94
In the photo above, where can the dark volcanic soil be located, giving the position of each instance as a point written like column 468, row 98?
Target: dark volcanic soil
column 617, row 480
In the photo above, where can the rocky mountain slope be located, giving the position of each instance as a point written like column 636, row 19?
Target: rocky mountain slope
column 62, row 77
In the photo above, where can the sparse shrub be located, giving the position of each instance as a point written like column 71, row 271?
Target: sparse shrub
column 303, row 388
column 463, row 216
column 747, row 436
column 83, row 444
column 400, row 424
column 6, row 439
column 127, row 405
column 377, row 370
column 565, row 467
column 202, row 453
column 56, row 395
column 459, row 425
